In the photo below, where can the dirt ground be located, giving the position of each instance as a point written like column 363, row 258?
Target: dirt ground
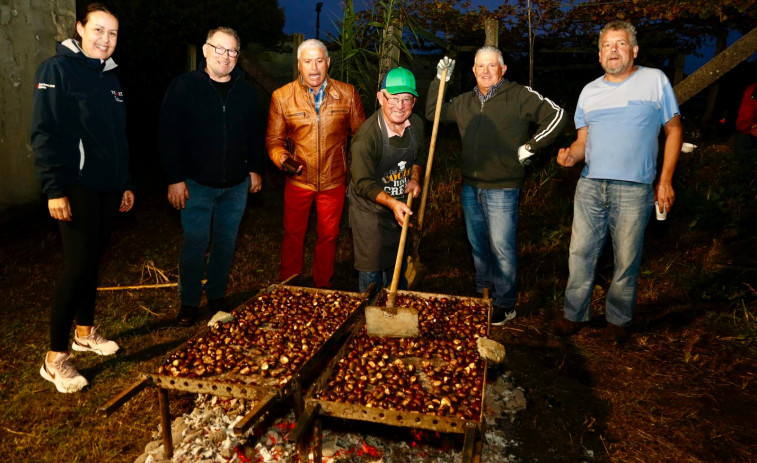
column 681, row 390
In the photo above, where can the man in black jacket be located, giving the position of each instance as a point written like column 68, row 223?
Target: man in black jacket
column 493, row 120
column 211, row 149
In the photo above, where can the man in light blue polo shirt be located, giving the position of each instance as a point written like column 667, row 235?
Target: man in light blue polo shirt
column 618, row 119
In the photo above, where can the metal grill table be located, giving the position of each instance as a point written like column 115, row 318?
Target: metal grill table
column 330, row 397
column 244, row 365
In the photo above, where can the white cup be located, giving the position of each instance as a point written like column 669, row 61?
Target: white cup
column 688, row 147
column 661, row 214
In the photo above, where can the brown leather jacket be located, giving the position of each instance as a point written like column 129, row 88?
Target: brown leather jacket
column 317, row 141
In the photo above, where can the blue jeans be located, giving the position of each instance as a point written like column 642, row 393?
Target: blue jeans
column 623, row 209
column 491, row 217
column 220, row 209
column 383, row 279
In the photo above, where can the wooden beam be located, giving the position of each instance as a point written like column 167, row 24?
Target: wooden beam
column 723, row 62
column 116, row 402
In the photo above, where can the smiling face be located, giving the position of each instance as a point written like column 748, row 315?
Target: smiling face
column 396, row 108
column 217, row 66
column 99, row 34
column 488, row 71
column 616, row 55
column 314, row 66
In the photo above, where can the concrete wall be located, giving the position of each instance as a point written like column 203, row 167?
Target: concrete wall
column 28, row 32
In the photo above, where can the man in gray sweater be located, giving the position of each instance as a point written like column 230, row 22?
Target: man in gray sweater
column 493, row 120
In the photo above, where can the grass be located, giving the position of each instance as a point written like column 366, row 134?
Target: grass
column 683, row 389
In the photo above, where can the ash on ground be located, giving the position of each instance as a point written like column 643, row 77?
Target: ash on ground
column 206, row 435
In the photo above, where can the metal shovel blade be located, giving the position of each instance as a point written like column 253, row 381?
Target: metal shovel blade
column 391, row 322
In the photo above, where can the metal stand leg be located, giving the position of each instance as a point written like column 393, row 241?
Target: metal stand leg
column 165, row 422
column 317, row 441
column 469, row 445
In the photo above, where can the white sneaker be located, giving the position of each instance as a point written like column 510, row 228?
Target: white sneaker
column 94, row 342
column 61, row 373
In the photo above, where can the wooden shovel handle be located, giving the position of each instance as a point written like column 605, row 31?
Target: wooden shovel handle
column 400, row 254
column 431, row 148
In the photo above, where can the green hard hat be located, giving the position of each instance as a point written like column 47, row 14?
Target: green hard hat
column 399, row 80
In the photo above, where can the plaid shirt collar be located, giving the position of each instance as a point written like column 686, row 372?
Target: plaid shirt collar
column 318, row 96
column 485, row 98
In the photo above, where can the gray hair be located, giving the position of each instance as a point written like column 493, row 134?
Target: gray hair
column 312, row 43
column 489, row 49
column 619, row 26
column 225, row 30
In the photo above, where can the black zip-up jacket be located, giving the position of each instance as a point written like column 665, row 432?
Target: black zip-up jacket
column 78, row 130
column 203, row 138
column 492, row 132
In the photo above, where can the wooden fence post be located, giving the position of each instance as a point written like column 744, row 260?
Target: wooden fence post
column 492, row 32
column 297, row 39
column 191, row 57
column 392, row 37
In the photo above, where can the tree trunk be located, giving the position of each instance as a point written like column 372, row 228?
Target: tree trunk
column 716, row 67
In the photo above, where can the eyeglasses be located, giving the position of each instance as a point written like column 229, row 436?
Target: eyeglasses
column 221, row 50
column 394, row 101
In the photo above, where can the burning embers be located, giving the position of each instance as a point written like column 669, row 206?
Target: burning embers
column 270, row 338
column 439, row 373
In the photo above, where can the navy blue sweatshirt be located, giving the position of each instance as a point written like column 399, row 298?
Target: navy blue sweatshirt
column 78, row 131
column 202, row 137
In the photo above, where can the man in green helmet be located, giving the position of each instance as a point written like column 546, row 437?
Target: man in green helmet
column 387, row 158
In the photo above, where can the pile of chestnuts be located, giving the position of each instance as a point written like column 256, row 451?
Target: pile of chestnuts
column 268, row 340
column 438, row 373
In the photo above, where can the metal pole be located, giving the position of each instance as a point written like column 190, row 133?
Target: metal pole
column 318, row 7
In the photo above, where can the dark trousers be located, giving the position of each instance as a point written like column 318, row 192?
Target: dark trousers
column 84, row 241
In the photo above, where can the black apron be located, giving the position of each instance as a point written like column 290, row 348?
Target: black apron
column 375, row 233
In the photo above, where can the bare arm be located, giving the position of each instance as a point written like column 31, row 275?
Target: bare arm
column 399, row 208
column 576, row 152
column 664, row 193
column 414, row 185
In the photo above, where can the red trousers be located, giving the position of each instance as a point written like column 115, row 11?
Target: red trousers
column 328, row 207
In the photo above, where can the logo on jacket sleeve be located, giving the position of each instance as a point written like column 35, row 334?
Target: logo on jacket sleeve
column 44, row 86
column 119, row 96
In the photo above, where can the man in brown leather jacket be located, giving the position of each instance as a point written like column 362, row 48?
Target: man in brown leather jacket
column 309, row 122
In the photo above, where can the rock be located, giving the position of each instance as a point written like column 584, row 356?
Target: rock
column 490, row 350
column 152, row 446
column 517, row 401
column 227, row 453
column 220, row 316
column 217, row 436
column 328, row 447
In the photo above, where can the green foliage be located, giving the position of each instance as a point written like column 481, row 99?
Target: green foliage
column 351, row 61
column 367, row 45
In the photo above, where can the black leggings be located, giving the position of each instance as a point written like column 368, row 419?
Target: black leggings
column 84, row 241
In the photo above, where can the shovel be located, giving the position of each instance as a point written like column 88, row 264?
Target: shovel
column 415, row 269
column 392, row 321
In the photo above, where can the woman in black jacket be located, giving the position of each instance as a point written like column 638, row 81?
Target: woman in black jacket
column 82, row 159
